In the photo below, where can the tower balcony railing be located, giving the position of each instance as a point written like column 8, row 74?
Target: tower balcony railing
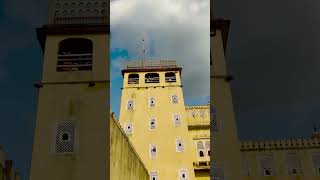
column 74, row 62
column 81, row 20
column 149, row 64
column 152, row 80
column 133, row 81
column 171, row 79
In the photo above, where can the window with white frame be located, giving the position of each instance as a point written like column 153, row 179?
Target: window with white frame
column 129, row 128
column 179, row 145
column 152, row 124
column 130, row 105
column 293, row 164
column 152, row 102
column 174, row 99
column 193, row 113
column 316, row 161
column 217, row 172
column 202, row 113
column 266, row 165
column 153, row 151
column 154, row 175
column 200, row 149
column 183, row 174
column 207, row 143
column 65, row 137
column 177, row 120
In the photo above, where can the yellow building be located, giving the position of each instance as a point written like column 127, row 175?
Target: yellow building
column 285, row 159
column 71, row 133
column 153, row 115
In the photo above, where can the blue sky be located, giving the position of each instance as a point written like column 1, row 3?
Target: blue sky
column 173, row 30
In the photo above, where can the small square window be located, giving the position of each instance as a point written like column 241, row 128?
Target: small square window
column 130, row 105
column 177, row 120
column 179, row 145
column 153, row 151
column 174, row 99
column 154, row 175
column 152, row 123
column 129, row 128
column 183, row 175
column 152, row 102
column 65, row 135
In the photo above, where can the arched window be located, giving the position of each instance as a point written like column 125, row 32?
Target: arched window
column 170, row 77
column 75, row 54
column 133, row 79
column 201, row 154
column 152, row 78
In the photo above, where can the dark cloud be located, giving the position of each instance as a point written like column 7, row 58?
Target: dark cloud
column 273, row 53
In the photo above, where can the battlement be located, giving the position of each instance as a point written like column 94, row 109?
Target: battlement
column 266, row 145
column 150, row 64
column 198, row 116
column 197, row 107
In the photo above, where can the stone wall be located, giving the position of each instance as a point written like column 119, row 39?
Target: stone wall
column 124, row 161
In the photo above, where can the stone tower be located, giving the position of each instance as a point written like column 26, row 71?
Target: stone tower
column 224, row 138
column 71, row 133
column 153, row 115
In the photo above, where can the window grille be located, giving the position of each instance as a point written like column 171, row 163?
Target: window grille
column 177, row 120
column 179, row 145
column 153, row 123
column 129, row 128
column 183, row 175
column 152, row 102
column 217, row 172
column 200, row 145
column 170, row 77
column 316, row 161
column 266, row 165
column 215, row 125
column 174, row 99
column 154, row 175
column 133, row 79
column 152, row 78
column 293, row 163
column 65, row 137
column 75, row 54
column 130, row 105
column 153, row 151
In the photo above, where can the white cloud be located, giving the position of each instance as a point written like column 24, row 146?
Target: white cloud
column 173, row 29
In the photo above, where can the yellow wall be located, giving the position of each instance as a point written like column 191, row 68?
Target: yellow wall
column 225, row 143
column 251, row 150
column 85, row 106
column 124, row 161
column 168, row 161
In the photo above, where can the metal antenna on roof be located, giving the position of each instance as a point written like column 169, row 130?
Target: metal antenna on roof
column 143, row 52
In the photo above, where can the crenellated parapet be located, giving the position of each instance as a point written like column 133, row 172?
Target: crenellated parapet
column 198, row 116
column 265, row 145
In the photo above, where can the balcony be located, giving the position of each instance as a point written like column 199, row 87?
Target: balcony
column 74, row 62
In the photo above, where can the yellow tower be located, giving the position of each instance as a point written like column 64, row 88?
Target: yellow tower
column 153, row 115
column 71, row 133
column 226, row 154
